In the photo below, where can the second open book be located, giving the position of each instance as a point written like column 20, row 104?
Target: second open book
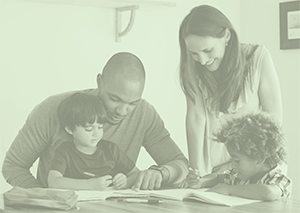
column 201, row 195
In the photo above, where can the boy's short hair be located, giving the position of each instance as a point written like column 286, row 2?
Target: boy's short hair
column 256, row 135
column 80, row 109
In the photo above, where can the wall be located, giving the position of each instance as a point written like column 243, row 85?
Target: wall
column 51, row 48
column 260, row 24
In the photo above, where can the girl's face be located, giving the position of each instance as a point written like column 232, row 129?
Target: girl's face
column 245, row 167
column 208, row 51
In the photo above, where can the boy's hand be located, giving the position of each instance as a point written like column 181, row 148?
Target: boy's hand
column 120, row 181
column 220, row 188
column 100, row 183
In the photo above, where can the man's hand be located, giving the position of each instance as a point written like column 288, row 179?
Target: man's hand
column 120, row 181
column 148, row 179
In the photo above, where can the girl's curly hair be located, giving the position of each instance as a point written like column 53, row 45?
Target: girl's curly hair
column 256, row 135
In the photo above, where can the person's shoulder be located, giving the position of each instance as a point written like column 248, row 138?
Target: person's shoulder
column 250, row 50
column 53, row 101
column 65, row 146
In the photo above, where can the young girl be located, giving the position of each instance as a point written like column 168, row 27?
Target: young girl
column 88, row 162
column 220, row 76
column 257, row 147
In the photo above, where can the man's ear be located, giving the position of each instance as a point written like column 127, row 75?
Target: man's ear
column 99, row 81
column 68, row 130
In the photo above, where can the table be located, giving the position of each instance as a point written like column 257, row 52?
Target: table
column 170, row 206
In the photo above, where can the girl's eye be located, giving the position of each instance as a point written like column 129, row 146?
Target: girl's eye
column 88, row 130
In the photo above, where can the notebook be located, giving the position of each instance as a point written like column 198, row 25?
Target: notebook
column 201, row 195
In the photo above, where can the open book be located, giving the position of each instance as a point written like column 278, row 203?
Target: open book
column 173, row 194
column 202, row 195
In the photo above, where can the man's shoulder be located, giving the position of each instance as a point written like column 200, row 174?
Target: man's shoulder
column 66, row 145
column 145, row 106
column 52, row 102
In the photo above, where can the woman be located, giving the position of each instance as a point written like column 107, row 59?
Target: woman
column 220, row 77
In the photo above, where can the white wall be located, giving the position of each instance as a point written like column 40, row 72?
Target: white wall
column 48, row 49
column 260, row 24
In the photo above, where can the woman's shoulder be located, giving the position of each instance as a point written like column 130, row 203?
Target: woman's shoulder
column 252, row 50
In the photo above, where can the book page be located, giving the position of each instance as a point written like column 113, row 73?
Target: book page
column 173, row 194
column 89, row 195
column 218, row 199
column 201, row 195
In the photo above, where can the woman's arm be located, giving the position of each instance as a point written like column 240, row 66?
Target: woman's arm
column 57, row 180
column 251, row 191
column 195, row 126
column 269, row 89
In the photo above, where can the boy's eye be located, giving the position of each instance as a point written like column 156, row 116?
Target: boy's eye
column 134, row 104
column 114, row 99
column 88, row 129
column 235, row 160
column 207, row 51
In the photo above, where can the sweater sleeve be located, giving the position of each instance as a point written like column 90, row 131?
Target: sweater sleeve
column 162, row 148
column 28, row 145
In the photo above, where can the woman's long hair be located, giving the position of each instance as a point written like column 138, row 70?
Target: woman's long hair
column 207, row 21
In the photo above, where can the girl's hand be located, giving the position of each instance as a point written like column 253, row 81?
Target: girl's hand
column 120, row 181
column 220, row 188
column 193, row 179
column 183, row 185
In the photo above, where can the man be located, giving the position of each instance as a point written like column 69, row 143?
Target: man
column 132, row 123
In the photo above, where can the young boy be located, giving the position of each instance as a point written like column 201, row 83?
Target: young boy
column 257, row 147
column 88, row 162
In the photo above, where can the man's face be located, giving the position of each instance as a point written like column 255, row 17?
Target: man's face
column 120, row 97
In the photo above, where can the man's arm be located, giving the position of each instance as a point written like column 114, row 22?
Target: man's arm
column 24, row 151
column 165, row 153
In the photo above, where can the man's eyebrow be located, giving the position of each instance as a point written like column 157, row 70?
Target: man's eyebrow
column 133, row 102
column 116, row 96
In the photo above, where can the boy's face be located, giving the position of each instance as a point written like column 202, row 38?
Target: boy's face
column 88, row 136
column 245, row 167
column 120, row 97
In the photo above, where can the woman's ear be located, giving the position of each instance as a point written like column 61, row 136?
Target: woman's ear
column 227, row 35
column 68, row 130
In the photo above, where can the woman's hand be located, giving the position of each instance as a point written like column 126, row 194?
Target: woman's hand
column 120, row 181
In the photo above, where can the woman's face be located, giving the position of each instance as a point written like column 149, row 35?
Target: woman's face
column 208, row 51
